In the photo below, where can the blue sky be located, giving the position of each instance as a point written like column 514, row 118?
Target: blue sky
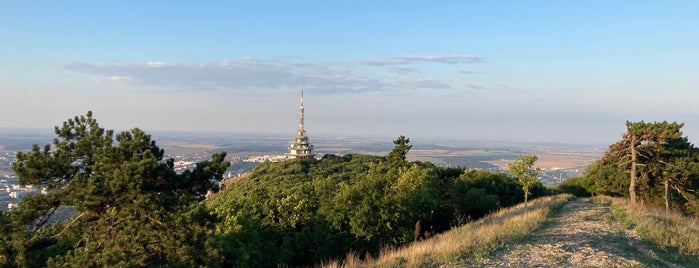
column 515, row 70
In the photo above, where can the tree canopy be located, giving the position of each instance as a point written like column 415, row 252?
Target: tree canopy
column 132, row 209
column 653, row 163
column 303, row 211
column 523, row 169
column 399, row 152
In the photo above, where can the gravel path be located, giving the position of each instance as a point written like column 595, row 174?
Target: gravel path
column 577, row 236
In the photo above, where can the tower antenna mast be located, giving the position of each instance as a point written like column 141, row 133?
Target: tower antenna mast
column 300, row 146
column 301, row 114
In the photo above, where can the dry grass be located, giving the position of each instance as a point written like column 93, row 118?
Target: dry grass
column 474, row 240
column 670, row 231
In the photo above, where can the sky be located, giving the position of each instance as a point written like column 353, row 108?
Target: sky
column 565, row 71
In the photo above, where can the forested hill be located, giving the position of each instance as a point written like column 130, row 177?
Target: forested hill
column 133, row 209
column 303, row 211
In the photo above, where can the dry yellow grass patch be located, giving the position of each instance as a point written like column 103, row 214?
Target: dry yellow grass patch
column 473, row 240
column 668, row 230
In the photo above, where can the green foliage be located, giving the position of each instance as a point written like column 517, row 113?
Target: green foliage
column 577, row 186
column 606, row 179
column 653, row 163
column 385, row 205
column 302, row 211
column 523, row 169
column 655, row 131
column 397, row 155
column 476, row 193
column 132, row 208
column 507, row 189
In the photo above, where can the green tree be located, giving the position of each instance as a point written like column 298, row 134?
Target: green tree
column 302, row 211
column 661, row 163
column 132, row 208
column 642, row 134
column 400, row 150
column 608, row 175
column 523, row 169
column 673, row 163
column 507, row 189
column 683, row 177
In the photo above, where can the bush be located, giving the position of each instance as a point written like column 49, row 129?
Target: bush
column 303, row 211
column 576, row 186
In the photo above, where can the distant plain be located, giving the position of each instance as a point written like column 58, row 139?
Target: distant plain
column 567, row 159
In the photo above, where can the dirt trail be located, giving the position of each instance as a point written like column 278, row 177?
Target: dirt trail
column 577, row 236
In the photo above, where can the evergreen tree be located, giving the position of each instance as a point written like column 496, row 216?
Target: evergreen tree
column 661, row 163
column 642, row 134
column 132, row 209
column 400, row 150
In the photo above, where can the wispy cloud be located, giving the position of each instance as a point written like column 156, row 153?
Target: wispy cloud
column 402, row 70
column 405, row 60
column 467, row 72
column 477, row 87
column 426, row 83
column 271, row 74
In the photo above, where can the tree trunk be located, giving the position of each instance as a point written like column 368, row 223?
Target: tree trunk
column 668, row 202
column 632, row 184
column 526, row 196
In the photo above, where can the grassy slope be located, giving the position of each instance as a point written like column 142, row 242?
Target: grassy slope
column 473, row 240
column 669, row 234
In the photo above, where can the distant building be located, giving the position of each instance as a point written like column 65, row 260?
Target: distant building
column 300, row 146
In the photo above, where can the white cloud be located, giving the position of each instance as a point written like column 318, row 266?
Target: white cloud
column 402, row 70
column 427, row 83
column 157, row 64
column 467, row 72
column 405, row 60
column 118, row 78
column 271, row 74
column 478, row 87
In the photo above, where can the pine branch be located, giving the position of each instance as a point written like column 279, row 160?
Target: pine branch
column 44, row 219
column 68, row 225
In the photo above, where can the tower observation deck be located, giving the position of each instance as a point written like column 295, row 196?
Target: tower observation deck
column 300, row 146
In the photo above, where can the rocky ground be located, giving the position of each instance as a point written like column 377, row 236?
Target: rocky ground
column 577, row 236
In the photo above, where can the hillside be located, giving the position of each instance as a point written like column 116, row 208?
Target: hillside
column 361, row 210
column 553, row 232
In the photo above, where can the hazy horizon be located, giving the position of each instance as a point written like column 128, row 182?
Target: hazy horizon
column 203, row 135
column 514, row 70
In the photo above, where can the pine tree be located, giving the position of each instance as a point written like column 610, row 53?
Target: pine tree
column 132, row 209
column 400, row 150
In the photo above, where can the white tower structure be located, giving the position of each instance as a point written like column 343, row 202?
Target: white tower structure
column 300, row 146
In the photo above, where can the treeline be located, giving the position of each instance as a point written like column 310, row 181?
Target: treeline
column 653, row 164
column 132, row 209
column 303, row 211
